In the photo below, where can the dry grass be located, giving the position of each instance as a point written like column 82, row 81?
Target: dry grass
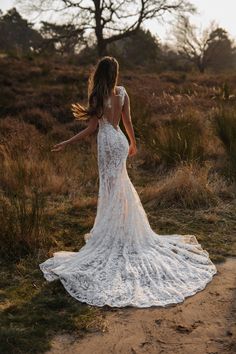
column 185, row 187
column 42, row 120
column 48, row 200
column 181, row 138
column 171, row 124
column 23, row 204
column 225, row 124
column 30, row 175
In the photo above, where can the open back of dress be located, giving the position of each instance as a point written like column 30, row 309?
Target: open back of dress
column 113, row 107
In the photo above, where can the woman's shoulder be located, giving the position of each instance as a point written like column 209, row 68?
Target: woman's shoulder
column 122, row 93
column 121, row 89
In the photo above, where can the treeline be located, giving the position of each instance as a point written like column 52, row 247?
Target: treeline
column 210, row 50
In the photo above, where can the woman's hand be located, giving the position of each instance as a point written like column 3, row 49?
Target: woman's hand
column 60, row 146
column 132, row 149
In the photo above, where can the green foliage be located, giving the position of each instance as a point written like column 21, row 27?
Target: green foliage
column 17, row 35
column 220, row 52
column 211, row 48
column 133, row 50
column 61, row 38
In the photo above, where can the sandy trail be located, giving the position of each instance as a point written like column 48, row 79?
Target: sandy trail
column 203, row 324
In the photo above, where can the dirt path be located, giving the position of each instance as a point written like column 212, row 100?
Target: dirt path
column 204, row 324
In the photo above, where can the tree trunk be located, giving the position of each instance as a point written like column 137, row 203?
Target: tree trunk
column 201, row 66
column 101, row 42
column 201, row 69
column 101, row 47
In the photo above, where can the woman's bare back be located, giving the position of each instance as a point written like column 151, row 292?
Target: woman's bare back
column 113, row 106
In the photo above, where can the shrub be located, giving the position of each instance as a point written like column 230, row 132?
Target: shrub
column 22, row 203
column 20, row 136
column 172, row 141
column 59, row 132
column 141, row 112
column 225, row 124
column 180, row 139
column 42, row 120
column 185, row 187
column 174, row 77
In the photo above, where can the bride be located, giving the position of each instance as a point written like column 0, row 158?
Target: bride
column 123, row 262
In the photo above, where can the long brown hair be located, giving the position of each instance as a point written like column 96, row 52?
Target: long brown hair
column 101, row 83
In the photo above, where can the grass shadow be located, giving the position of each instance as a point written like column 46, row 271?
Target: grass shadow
column 33, row 311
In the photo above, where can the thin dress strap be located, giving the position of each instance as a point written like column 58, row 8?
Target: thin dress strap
column 123, row 92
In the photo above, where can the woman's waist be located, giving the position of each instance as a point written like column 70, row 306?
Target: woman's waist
column 106, row 122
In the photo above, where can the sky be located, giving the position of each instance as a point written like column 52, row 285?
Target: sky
column 223, row 12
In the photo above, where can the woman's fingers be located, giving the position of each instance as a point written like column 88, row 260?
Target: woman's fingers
column 131, row 153
column 57, row 147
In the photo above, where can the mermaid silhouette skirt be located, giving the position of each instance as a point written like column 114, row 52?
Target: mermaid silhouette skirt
column 124, row 262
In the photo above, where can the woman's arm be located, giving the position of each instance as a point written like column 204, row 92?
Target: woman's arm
column 92, row 125
column 126, row 118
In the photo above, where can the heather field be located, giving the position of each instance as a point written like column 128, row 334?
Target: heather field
column 184, row 172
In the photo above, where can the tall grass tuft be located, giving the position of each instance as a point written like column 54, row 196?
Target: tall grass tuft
column 225, row 123
column 169, row 142
column 186, row 187
column 180, row 140
column 22, row 205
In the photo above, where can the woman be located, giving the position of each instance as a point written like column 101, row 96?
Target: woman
column 124, row 262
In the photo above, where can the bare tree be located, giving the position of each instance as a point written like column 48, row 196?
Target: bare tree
column 108, row 20
column 199, row 46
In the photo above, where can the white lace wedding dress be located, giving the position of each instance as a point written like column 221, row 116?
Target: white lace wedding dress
column 124, row 262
